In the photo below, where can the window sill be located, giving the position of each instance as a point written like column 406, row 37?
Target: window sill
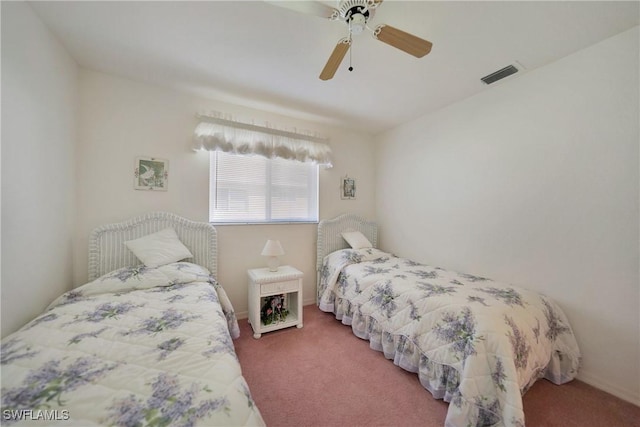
column 217, row 224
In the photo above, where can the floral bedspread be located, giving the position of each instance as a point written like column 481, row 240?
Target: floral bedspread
column 474, row 342
column 137, row 347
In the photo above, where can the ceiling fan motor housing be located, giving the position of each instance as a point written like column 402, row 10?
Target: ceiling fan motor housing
column 348, row 9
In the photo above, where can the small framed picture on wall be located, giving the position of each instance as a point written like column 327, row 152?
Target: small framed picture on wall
column 348, row 188
column 151, row 173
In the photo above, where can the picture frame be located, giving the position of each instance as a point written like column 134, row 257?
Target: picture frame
column 347, row 188
column 151, row 173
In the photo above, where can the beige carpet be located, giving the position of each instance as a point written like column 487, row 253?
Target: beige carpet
column 323, row 375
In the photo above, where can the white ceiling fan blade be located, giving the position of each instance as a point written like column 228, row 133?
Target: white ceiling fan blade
column 308, row 7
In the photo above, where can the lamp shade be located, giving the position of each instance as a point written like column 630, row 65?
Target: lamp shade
column 272, row 248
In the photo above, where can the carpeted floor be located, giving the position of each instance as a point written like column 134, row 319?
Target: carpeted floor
column 323, row 375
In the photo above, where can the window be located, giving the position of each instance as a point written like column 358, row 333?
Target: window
column 255, row 189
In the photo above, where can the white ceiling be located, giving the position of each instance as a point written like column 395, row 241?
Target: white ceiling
column 262, row 56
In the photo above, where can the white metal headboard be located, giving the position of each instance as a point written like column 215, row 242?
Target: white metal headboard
column 107, row 251
column 330, row 238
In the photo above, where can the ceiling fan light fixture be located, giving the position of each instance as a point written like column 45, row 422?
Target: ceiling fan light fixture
column 357, row 23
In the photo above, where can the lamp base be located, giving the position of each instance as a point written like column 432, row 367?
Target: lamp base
column 273, row 263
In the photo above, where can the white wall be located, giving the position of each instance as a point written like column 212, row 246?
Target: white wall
column 39, row 100
column 534, row 182
column 121, row 119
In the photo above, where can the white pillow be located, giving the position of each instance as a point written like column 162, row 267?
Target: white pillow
column 159, row 248
column 356, row 239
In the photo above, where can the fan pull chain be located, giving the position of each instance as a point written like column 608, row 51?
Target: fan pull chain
column 350, row 43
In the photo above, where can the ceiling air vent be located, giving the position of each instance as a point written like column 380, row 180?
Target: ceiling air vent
column 500, row 74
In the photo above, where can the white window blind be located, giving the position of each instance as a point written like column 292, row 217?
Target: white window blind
column 256, row 189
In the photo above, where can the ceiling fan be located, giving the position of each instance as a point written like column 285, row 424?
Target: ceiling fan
column 356, row 14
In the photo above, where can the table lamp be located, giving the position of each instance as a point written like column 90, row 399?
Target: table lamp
column 273, row 249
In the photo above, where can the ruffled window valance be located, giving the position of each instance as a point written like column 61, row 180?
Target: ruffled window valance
column 218, row 134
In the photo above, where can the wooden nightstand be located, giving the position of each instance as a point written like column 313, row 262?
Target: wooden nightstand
column 264, row 284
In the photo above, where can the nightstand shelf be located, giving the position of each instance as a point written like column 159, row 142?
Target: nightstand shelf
column 265, row 284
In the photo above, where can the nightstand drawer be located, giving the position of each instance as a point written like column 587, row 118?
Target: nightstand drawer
column 288, row 286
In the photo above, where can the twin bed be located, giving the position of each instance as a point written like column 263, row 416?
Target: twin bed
column 140, row 344
column 473, row 342
column 151, row 343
